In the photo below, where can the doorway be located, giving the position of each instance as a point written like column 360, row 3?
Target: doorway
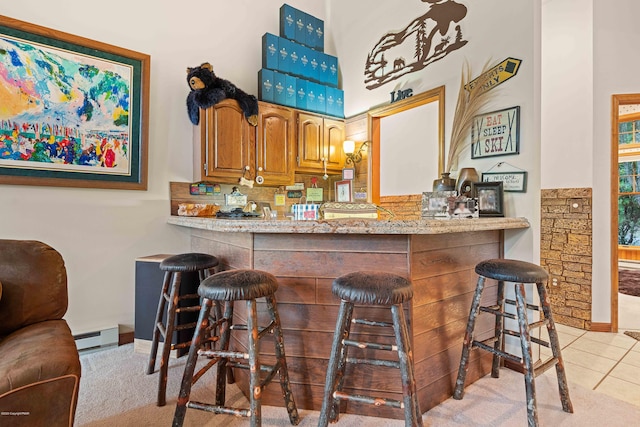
column 625, row 109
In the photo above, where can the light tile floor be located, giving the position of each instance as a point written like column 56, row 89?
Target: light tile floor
column 605, row 362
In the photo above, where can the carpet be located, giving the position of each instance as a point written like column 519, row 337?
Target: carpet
column 115, row 391
column 633, row 334
column 629, row 282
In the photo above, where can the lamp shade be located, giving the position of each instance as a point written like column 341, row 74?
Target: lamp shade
column 349, row 146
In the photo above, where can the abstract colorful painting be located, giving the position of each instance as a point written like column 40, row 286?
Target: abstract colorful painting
column 71, row 110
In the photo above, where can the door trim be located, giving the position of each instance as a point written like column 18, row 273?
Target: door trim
column 616, row 101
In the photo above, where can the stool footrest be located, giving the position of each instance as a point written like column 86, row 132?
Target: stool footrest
column 495, row 309
column 529, row 306
column 271, row 369
column 161, row 329
column 533, row 339
column 181, row 345
column 185, row 326
column 239, row 412
column 262, row 331
column 538, row 324
column 375, row 362
column 483, row 346
column 223, row 354
column 371, row 323
column 188, row 309
column 373, row 345
column 376, row 401
column 545, row 366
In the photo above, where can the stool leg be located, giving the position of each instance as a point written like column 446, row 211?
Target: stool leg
column 151, row 366
column 468, row 340
column 192, row 358
column 168, row 338
column 525, row 342
column 282, row 361
column 412, row 414
column 337, row 361
column 225, row 338
column 499, row 344
column 255, row 397
column 567, row 406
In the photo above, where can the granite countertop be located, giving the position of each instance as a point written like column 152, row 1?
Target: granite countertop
column 351, row 225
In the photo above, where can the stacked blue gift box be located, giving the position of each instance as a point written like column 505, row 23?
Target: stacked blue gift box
column 295, row 70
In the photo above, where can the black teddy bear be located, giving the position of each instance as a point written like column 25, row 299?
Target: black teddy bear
column 207, row 89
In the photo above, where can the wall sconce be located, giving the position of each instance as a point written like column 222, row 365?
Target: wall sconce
column 353, row 156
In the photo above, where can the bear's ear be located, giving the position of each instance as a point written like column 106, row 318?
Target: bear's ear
column 207, row 66
column 189, row 70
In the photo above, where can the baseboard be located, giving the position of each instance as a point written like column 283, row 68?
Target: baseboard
column 600, row 327
column 97, row 339
column 125, row 338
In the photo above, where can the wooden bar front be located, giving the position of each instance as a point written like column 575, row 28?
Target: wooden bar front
column 441, row 267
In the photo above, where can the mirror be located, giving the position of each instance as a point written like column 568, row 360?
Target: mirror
column 407, row 139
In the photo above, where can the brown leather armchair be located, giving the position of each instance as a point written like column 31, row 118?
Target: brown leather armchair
column 39, row 362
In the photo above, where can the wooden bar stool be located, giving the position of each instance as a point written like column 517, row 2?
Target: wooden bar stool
column 227, row 287
column 519, row 273
column 174, row 267
column 370, row 289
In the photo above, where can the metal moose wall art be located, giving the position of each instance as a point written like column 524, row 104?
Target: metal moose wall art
column 418, row 41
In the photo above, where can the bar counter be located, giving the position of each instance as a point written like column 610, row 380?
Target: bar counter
column 438, row 256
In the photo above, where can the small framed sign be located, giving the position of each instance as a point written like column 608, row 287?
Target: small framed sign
column 515, row 182
column 343, row 191
column 496, row 133
column 348, row 173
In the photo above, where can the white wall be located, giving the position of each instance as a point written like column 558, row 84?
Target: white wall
column 496, row 29
column 101, row 232
column 587, row 58
column 615, row 38
column 567, row 96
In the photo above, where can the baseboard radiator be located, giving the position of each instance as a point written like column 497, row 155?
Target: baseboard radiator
column 97, row 339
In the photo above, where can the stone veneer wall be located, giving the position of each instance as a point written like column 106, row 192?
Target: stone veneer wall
column 403, row 207
column 566, row 253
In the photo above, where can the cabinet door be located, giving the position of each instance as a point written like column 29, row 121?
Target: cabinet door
column 276, row 144
column 310, row 146
column 334, row 131
column 228, row 140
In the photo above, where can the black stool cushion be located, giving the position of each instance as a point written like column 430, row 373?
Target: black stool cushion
column 234, row 285
column 511, row 270
column 372, row 288
column 188, row 262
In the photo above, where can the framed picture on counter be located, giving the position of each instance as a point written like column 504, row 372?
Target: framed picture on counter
column 75, row 110
column 490, row 198
column 435, row 204
column 343, row 191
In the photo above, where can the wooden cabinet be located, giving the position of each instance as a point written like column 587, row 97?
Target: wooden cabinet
column 227, row 142
column 319, row 141
column 230, row 145
column 276, row 144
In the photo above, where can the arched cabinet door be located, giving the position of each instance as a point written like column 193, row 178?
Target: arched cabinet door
column 276, row 145
column 227, row 142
